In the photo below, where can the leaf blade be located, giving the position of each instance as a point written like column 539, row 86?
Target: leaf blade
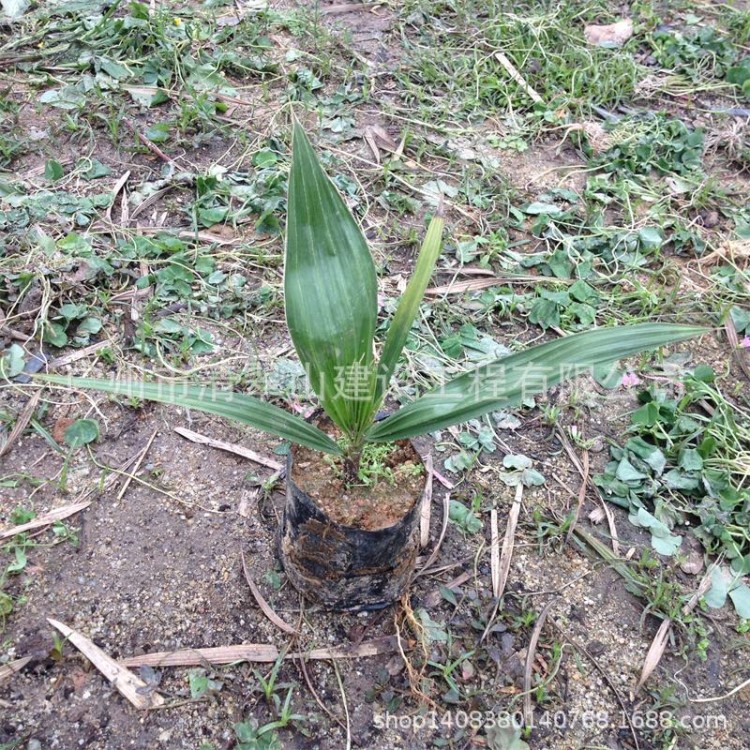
column 330, row 289
column 239, row 407
column 408, row 306
column 501, row 383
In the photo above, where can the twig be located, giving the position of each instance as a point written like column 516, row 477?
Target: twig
column 346, row 707
column 443, row 528
column 472, row 285
column 127, row 684
column 426, row 507
column 737, row 689
column 509, row 540
column 14, row 334
column 21, row 423
column 347, row 8
column 229, row 447
column 150, row 145
column 311, row 688
column 606, row 677
column 494, row 554
column 528, row 712
column 517, row 77
column 259, row 652
column 445, row 482
column 45, row 520
column 138, row 462
column 67, row 359
column 581, row 495
column 506, row 555
column 587, row 480
column 263, row 604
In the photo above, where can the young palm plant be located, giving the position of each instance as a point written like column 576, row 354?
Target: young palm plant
column 330, row 290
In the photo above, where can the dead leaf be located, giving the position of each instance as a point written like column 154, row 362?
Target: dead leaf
column 659, row 644
column 694, row 562
column 263, row 604
column 509, row 541
column 46, row 519
column 79, row 679
column 611, row 35
column 494, row 553
column 425, row 509
column 655, row 652
column 506, row 554
column 254, row 652
column 258, row 652
column 599, row 139
column 8, row 670
column 531, row 653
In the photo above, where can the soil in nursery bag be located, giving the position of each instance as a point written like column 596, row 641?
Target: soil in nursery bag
column 368, row 507
column 352, row 547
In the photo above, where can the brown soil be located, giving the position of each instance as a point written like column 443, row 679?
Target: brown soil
column 366, row 507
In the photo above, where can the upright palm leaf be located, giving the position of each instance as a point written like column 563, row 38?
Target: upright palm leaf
column 506, row 381
column 330, row 292
column 408, row 306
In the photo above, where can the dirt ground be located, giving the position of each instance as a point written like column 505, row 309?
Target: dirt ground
column 158, row 573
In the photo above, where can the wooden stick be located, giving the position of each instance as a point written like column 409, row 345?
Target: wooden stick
column 80, row 354
column 347, row 8
column 517, row 77
column 150, row 145
column 443, row 528
column 494, row 554
column 127, row 684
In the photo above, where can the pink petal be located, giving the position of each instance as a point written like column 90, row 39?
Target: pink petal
column 745, row 343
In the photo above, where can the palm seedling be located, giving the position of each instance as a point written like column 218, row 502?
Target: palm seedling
column 330, row 293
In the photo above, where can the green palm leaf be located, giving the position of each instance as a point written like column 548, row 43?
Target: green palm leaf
column 236, row 406
column 408, row 306
column 330, row 292
column 507, row 381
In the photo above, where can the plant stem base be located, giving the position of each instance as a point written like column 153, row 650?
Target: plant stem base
column 342, row 567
